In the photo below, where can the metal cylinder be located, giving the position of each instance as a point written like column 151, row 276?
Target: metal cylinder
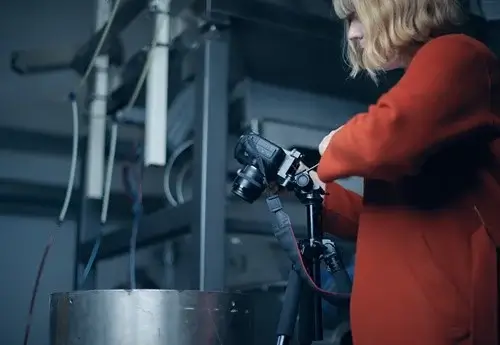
column 150, row 317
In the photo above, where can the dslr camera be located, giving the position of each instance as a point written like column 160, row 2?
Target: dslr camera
column 264, row 164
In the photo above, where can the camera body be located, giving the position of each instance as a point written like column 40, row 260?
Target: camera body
column 263, row 162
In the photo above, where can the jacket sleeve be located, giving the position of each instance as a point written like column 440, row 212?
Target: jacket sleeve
column 444, row 93
column 341, row 210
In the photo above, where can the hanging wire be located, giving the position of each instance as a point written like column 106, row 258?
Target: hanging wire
column 132, row 178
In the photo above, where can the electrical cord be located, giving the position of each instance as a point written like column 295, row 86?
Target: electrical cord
column 100, row 44
column 168, row 170
column 111, row 159
column 135, row 189
column 133, row 241
column 74, row 160
column 82, row 83
column 132, row 178
column 107, row 188
column 105, row 201
column 60, row 219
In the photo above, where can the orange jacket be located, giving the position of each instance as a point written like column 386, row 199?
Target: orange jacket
column 428, row 226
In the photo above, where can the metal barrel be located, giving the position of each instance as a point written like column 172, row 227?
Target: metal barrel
column 150, row 317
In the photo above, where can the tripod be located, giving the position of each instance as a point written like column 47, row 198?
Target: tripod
column 300, row 300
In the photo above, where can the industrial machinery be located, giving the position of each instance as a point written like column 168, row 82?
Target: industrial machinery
column 239, row 94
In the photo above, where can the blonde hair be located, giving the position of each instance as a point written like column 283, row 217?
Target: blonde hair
column 393, row 28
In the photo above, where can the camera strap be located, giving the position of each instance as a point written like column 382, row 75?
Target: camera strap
column 283, row 232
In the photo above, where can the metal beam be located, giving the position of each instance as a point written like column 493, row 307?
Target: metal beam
column 210, row 161
column 53, row 59
column 29, row 199
column 268, row 13
column 14, row 139
column 154, row 228
column 169, row 223
column 58, row 58
column 126, row 14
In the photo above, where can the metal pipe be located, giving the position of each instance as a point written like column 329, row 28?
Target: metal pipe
column 97, row 123
column 155, row 139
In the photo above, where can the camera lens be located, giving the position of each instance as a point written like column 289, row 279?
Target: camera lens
column 249, row 184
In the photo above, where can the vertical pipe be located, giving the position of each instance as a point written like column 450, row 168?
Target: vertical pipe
column 155, row 139
column 91, row 178
column 97, row 122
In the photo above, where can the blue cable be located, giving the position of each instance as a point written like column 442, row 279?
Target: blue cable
column 92, row 258
column 137, row 210
column 132, row 184
column 132, row 188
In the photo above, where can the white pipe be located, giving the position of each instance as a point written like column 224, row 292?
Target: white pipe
column 155, row 138
column 94, row 173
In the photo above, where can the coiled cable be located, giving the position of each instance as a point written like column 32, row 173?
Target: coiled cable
column 180, row 180
column 169, row 167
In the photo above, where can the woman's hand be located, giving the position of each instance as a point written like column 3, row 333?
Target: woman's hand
column 326, row 140
column 314, row 176
column 316, row 180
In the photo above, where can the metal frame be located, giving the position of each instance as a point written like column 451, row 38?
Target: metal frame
column 208, row 210
column 210, row 159
column 171, row 223
column 205, row 216
column 77, row 58
column 263, row 12
column 209, row 216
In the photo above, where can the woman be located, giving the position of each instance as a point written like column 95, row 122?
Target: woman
column 428, row 226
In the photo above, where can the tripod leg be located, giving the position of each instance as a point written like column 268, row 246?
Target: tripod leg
column 290, row 310
column 310, row 309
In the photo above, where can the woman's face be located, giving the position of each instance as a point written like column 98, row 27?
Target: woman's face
column 356, row 34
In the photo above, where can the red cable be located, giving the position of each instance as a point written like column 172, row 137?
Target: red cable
column 34, row 292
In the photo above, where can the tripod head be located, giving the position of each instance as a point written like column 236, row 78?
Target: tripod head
column 266, row 166
column 305, row 189
column 269, row 166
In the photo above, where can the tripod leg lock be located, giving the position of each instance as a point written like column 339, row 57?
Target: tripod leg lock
column 283, row 232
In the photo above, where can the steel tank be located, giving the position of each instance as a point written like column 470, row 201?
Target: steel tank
column 150, row 317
